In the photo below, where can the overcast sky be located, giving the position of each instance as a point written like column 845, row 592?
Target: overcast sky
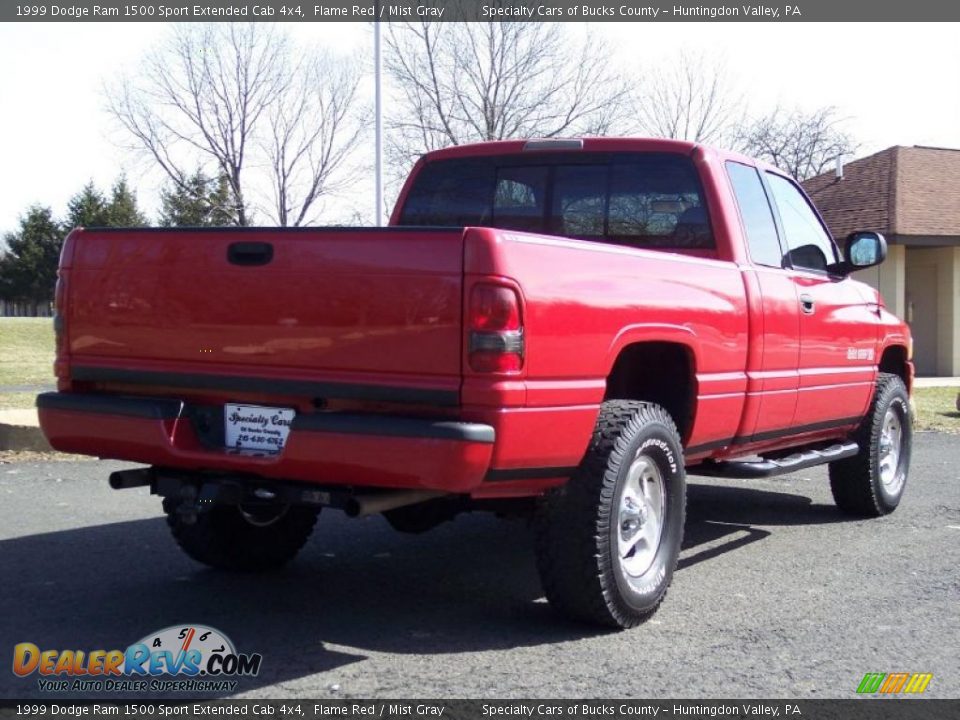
column 896, row 83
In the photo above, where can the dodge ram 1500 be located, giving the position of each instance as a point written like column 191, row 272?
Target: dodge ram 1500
column 562, row 328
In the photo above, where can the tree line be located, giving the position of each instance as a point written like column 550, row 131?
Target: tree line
column 248, row 127
column 28, row 265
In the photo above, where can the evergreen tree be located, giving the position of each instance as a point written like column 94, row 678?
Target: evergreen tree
column 122, row 210
column 28, row 270
column 88, row 208
column 200, row 202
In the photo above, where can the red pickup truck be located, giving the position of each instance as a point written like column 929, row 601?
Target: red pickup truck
column 554, row 327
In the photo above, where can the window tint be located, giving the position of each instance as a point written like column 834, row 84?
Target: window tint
column 810, row 247
column 662, row 208
column 455, row 197
column 519, row 197
column 757, row 217
column 639, row 199
column 579, row 196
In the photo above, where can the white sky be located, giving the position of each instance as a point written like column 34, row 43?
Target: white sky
column 896, row 83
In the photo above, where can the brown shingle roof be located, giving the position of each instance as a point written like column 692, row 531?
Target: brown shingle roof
column 928, row 192
column 861, row 200
column 898, row 191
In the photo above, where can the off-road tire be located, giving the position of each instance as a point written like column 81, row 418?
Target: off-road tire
column 576, row 526
column 856, row 482
column 223, row 538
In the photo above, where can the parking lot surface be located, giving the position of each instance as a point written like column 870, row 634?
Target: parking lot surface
column 777, row 595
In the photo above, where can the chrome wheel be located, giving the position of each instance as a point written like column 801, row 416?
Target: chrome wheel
column 640, row 517
column 890, row 445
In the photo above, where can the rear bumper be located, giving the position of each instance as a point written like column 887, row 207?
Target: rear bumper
column 322, row 448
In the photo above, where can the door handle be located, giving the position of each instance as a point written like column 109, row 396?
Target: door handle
column 249, row 253
column 807, row 304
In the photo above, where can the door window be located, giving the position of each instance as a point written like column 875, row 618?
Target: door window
column 761, row 231
column 810, row 246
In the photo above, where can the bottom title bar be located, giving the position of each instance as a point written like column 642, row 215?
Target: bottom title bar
column 865, row 709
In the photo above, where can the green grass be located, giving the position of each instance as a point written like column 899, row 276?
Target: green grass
column 26, row 351
column 17, row 401
column 937, row 409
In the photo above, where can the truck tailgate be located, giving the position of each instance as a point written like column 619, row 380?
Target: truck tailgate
column 379, row 307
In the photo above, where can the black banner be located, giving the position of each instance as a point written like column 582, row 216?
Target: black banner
column 477, row 10
column 859, row 709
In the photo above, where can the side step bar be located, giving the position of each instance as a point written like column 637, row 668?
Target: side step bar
column 767, row 467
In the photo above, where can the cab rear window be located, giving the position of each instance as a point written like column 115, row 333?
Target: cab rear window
column 638, row 199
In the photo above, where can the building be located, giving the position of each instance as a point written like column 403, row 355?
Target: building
column 912, row 196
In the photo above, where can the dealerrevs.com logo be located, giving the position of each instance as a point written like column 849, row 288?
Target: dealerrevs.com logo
column 187, row 658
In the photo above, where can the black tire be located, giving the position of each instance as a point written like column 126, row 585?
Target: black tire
column 578, row 527
column 226, row 537
column 861, row 485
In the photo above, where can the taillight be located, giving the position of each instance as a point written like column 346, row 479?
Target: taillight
column 495, row 326
column 61, row 365
column 60, row 325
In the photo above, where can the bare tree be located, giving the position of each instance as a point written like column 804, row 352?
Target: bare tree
column 802, row 143
column 466, row 82
column 233, row 95
column 688, row 97
column 312, row 133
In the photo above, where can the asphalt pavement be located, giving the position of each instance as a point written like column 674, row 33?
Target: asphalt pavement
column 777, row 595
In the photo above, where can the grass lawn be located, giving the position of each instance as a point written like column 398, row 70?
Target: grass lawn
column 17, row 401
column 26, row 358
column 26, row 351
column 937, row 409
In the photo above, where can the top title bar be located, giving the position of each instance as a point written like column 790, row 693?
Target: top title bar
column 477, row 10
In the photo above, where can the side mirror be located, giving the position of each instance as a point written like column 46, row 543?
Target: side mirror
column 864, row 249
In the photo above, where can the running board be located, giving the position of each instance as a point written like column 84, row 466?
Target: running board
column 747, row 469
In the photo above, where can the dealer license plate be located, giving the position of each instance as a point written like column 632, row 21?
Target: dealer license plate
column 256, row 428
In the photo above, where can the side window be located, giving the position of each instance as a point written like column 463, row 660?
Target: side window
column 810, row 247
column 757, row 217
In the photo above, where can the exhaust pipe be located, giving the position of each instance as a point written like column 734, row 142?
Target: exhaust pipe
column 124, row 479
column 363, row 505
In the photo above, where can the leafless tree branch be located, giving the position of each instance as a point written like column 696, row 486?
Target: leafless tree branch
column 802, row 143
column 234, row 95
column 466, row 82
column 688, row 97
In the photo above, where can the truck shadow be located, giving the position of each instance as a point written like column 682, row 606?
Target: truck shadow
column 358, row 587
column 721, row 518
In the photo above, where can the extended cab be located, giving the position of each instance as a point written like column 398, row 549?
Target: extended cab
column 559, row 327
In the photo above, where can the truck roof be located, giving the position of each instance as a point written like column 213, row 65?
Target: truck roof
column 572, row 144
column 592, row 144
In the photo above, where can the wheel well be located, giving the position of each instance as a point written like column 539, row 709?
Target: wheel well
column 894, row 360
column 657, row 372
